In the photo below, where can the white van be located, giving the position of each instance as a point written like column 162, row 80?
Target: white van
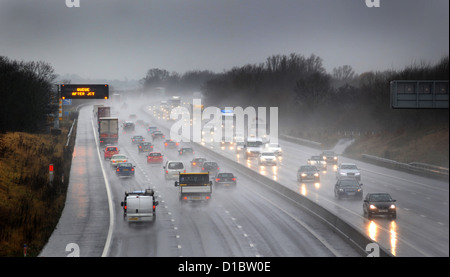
column 139, row 206
column 172, row 169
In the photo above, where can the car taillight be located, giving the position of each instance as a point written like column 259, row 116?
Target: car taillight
column 132, row 169
column 185, row 198
column 167, row 171
column 125, row 207
column 217, row 179
column 203, row 168
column 177, row 144
column 140, row 146
column 234, row 179
column 207, row 197
column 217, row 168
column 165, row 144
column 118, row 170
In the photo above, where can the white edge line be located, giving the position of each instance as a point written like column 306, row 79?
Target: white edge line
column 108, row 191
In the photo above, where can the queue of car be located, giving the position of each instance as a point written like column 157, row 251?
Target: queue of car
column 348, row 184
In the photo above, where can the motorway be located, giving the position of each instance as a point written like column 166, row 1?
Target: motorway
column 247, row 221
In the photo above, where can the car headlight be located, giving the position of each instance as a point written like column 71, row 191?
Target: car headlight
column 341, row 189
column 372, row 207
column 392, row 206
column 335, row 158
column 316, row 174
column 324, row 157
column 303, row 174
column 343, row 174
column 357, row 173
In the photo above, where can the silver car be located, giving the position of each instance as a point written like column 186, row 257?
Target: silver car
column 348, row 170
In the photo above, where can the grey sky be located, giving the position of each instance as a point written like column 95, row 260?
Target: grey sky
column 115, row 39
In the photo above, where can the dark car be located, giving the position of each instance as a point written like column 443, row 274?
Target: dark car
column 125, row 170
column 151, row 129
column 170, row 144
column 184, row 151
column 137, row 139
column 225, row 179
column 211, row 167
column 348, row 188
column 308, row 173
column 145, row 146
column 330, row 157
column 197, row 163
column 157, row 135
column 379, row 204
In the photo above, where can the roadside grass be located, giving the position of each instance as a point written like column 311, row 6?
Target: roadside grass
column 29, row 206
column 429, row 146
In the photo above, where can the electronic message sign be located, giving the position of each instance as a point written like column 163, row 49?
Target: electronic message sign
column 72, row 91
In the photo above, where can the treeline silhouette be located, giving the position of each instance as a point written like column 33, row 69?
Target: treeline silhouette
column 25, row 95
column 310, row 98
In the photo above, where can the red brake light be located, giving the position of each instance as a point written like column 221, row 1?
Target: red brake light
column 125, row 207
column 177, row 144
column 165, row 144
column 234, row 179
column 132, row 169
column 203, row 168
column 207, row 197
column 185, row 198
column 217, row 179
column 118, row 170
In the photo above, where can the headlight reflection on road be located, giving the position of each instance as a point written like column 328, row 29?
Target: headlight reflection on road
column 373, row 234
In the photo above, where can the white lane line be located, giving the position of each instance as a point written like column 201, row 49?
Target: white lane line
column 108, row 192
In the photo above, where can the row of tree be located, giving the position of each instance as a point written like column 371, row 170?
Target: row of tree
column 308, row 97
column 25, row 95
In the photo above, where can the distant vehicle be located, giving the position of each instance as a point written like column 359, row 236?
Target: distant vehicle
column 253, row 147
column 108, row 130
column 308, row 173
column 330, row 157
column 109, row 151
column 139, row 206
column 103, row 111
column 170, row 144
column 267, row 158
column 197, row 163
column 151, row 129
column 137, row 139
column 240, row 146
column 154, row 158
column 379, row 204
column 157, row 135
column 348, row 188
column 186, row 151
column 318, row 162
column 128, row 126
column 194, row 187
column 211, row 167
column 125, row 170
column 348, row 170
column 132, row 116
column 225, row 179
column 172, row 169
column 145, row 146
column 275, row 147
column 118, row 158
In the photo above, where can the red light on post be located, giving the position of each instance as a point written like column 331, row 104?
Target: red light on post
column 50, row 168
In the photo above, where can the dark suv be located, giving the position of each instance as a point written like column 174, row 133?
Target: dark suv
column 379, row 204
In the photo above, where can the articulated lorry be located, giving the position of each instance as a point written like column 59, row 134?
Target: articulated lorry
column 108, row 130
column 194, row 186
